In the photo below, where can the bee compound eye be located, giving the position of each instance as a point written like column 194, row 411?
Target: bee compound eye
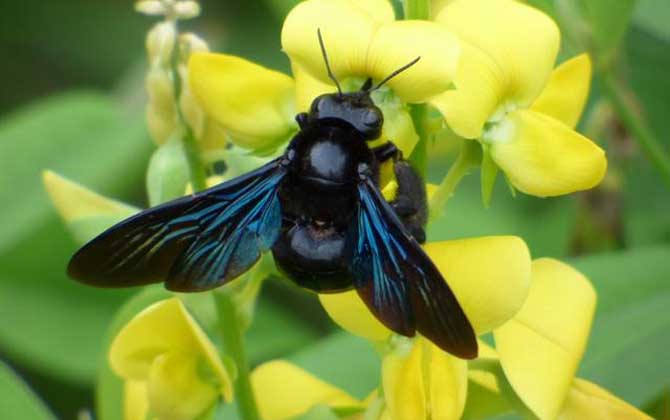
column 371, row 118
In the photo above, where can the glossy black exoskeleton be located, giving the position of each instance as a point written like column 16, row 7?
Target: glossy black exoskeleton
column 320, row 211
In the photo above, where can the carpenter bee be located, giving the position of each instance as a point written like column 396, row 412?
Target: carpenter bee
column 318, row 208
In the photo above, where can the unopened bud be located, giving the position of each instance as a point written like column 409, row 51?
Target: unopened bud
column 186, row 9
column 161, row 115
column 160, row 42
column 151, row 7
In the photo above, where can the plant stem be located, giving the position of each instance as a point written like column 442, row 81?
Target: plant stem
column 233, row 344
column 448, row 185
column 650, row 144
column 188, row 140
column 419, row 157
column 417, row 9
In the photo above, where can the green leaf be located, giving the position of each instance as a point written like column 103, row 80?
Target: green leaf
column 545, row 224
column 348, row 362
column 50, row 323
column 17, row 401
column 653, row 16
column 320, row 412
column 83, row 136
column 608, row 23
column 627, row 353
column 168, row 173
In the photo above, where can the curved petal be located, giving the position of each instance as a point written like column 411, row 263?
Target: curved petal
column 86, row 213
column 254, row 104
column 349, row 312
column 521, row 40
column 74, row 201
column 490, row 276
column 347, row 32
column 287, row 391
column 541, row 347
column 175, row 390
column 448, row 384
column 403, row 381
column 587, row 400
column 544, row 157
column 565, row 95
column 396, row 44
column 480, row 89
column 135, row 400
column 162, row 328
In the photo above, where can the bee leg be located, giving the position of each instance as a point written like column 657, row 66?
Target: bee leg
column 302, row 120
column 387, row 151
column 410, row 202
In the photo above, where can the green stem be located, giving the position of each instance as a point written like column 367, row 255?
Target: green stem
column 650, row 144
column 188, row 140
column 417, row 9
column 233, row 344
column 419, row 157
column 448, row 185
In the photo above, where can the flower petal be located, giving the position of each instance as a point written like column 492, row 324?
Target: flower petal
column 480, row 89
column 251, row 102
column 86, row 213
column 135, row 400
column 349, row 312
column 490, row 276
column 307, row 88
column 379, row 10
column 541, row 347
column 521, row 40
column 74, row 201
column 587, row 400
column 403, row 382
column 396, row 44
column 448, row 384
column 161, row 328
column 176, row 391
column 565, row 95
column 544, row 157
column 288, row 391
column 347, row 32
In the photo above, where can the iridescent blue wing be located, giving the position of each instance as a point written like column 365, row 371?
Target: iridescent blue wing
column 193, row 243
column 398, row 281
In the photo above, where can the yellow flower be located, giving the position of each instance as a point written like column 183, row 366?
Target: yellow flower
column 490, row 278
column 508, row 98
column 171, row 369
column 257, row 106
column 539, row 342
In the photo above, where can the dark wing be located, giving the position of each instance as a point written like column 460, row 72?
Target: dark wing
column 193, row 243
column 400, row 284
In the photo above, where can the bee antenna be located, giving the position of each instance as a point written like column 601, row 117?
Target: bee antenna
column 394, row 74
column 325, row 59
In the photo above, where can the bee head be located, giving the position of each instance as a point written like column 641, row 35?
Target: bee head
column 355, row 109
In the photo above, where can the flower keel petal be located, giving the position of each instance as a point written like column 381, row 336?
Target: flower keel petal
column 541, row 347
column 542, row 156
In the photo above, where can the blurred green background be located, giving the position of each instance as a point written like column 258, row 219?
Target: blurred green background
column 72, row 101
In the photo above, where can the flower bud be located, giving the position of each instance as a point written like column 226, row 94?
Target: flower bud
column 186, row 9
column 161, row 116
column 160, row 43
column 151, row 7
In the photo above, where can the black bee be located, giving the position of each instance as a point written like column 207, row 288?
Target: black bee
column 319, row 209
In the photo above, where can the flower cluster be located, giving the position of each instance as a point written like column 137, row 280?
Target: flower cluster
column 487, row 72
